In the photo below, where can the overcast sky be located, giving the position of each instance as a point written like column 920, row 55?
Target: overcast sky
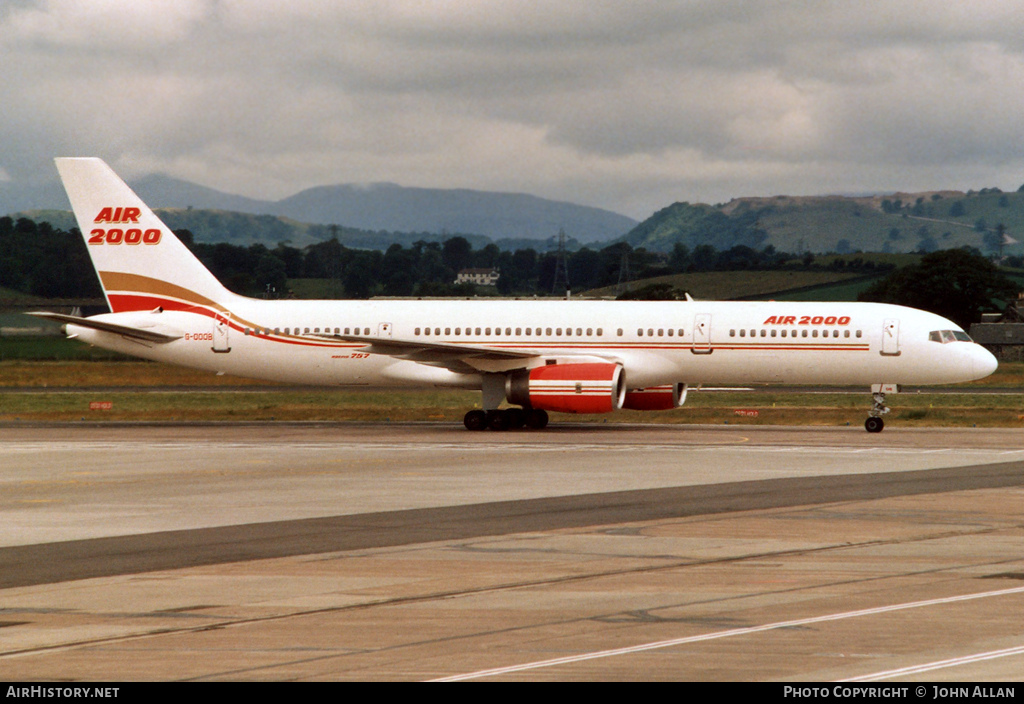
column 627, row 105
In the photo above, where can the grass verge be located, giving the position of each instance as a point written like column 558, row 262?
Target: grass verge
column 148, row 392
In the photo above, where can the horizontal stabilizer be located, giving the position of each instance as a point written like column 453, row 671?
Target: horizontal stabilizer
column 125, row 330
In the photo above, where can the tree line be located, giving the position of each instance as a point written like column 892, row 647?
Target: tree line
column 40, row 260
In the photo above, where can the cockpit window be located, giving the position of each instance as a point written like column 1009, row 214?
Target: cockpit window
column 945, row 336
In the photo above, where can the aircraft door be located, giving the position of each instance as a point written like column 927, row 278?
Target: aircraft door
column 891, row 337
column 384, row 330
column 701, row 334
column 221, row 333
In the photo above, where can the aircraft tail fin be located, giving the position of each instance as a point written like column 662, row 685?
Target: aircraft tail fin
column 141, row 263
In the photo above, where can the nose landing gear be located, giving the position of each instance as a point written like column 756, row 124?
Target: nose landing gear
column 874, row 423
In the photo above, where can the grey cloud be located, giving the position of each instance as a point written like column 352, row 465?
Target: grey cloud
column 626, row 105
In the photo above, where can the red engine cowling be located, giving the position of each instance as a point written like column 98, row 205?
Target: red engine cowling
column 569, row 388
column 656, row 398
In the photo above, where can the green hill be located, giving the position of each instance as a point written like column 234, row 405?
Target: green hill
column 900, row 222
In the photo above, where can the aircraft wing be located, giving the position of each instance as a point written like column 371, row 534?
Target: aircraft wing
column 125, row 330
column 459, row 358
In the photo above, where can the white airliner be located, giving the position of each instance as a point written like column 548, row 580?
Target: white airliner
column 540, row 355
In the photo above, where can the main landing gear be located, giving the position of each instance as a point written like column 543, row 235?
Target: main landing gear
column 874, row 423
column 506, row 419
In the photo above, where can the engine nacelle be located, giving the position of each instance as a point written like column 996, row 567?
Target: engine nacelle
column 598, row 387
column 656, row 398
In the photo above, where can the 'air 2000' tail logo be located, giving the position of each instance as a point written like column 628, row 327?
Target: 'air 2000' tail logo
column 118, row 235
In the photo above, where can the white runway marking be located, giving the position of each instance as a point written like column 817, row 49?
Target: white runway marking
column 938, row 665
column 630, row 650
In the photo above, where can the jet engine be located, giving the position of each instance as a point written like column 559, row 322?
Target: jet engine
column 597, row 387
column 656, row 398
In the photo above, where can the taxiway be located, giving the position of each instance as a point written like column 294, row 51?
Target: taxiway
column 421, row 551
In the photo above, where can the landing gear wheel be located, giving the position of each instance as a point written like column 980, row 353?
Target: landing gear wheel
column 536, row 419
column 874, row 425
column 475, row 420
column 516, row 418
column 497, row 420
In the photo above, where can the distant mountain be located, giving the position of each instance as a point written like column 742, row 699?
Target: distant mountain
column 376, row 207
column 17, row 197
column 245, row 229
column 160, row 191
column 497, row 215
column 377, row 215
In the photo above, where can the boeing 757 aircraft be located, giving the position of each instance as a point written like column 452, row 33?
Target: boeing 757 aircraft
column 537, row 355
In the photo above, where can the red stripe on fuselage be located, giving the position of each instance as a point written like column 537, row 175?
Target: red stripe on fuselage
column 128, row 303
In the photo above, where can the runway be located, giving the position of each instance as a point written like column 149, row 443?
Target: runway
column 421, row 551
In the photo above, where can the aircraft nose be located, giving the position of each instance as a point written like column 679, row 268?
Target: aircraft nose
column 984, row 362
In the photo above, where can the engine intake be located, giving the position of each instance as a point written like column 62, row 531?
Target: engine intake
column 569, row 388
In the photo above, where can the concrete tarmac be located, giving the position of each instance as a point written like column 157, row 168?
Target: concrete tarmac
column 586, row 551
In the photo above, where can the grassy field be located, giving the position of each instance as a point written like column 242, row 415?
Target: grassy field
column 52, row 348
column 77, row 386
